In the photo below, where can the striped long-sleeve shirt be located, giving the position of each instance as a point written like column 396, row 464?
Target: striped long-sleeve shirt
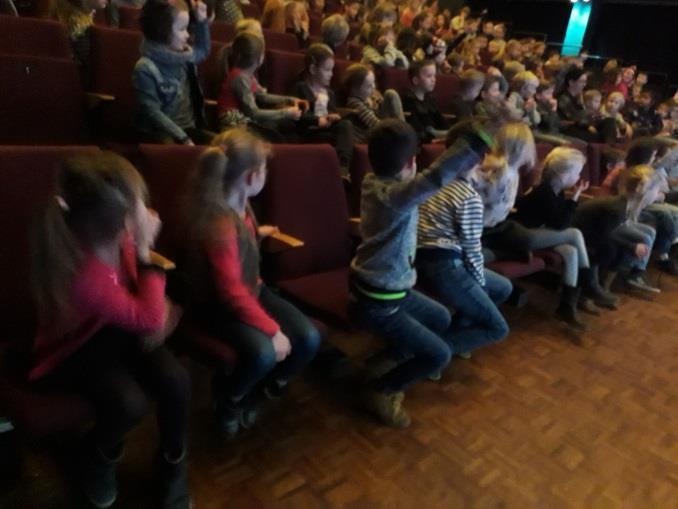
column 453, row 219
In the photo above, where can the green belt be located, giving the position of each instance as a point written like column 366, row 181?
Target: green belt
column 380, row 295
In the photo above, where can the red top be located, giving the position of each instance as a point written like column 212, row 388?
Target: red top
column 227, row 100
column 227, row 268
column 103, row 296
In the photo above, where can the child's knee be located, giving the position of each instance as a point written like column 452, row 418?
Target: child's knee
column 129, row 406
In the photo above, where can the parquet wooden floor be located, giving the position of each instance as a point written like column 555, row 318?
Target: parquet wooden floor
column 539, row 421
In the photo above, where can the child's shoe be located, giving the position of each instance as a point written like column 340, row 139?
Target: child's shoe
column 388, row 407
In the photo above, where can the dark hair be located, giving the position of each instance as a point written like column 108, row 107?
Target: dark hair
column 390, row 145
column 545, row 85
column 417, row 66
column 316, row 54
column 407, row 41
column 354, row 76
column 572, row 74
column 93, row 195
column 157, row 17
column 491, row 80
column 641, row 151
column 416, row 22
column 246, row 50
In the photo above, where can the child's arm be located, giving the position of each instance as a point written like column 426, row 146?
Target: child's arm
column 201, row 38
column 247, row 102
column 470, row 218
column 366, row 114
column 149, row 103
column 372, row 56
column 463, row 155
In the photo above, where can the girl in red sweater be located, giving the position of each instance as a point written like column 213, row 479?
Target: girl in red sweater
column 273, row 339
column 104, row 317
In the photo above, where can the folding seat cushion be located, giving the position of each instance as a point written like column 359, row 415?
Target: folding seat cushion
column 42, row 101
column 33, row 37
column 114, row 52
column 222, row 32
column 129, row 18
column 280, row 41
column 304, row 197
column 281, row 70
column 26, row 183
column 389, row 77
column 447, row 87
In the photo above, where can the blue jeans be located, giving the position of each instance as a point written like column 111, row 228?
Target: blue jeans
column 414, row 327
column 638, row 233
column 256, row 358
column 477, row 321
column 664, row 218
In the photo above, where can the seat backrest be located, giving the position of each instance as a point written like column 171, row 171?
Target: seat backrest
column 392, row 78
column 447, row 87
column 167, row 170
column 222, row 32
column 211, row 72
column 114, row 52
column 594, row 171
column 129, row 17
column 41, row 101
column 355, row 51
column 360, row 166
column 27, row 176
column 315, row 23
column 281, row 70
column 251, row 10
column 340, row 67
column 33, row 37
column 304, row 197
column 280, row 41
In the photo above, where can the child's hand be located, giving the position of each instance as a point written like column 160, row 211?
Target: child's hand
column 333, row 117
column 146, row 227
column 324, row 122
column 579, row 188
column 173, row 314
column 302, row 104
column 281, row 346
column 293, row 112
column 189, row 142
column 641, row 251
column 199, row 10
column 266, row 230
column 554, row 103
column 530, row 105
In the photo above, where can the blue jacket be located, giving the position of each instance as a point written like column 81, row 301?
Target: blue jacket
column 157, row 79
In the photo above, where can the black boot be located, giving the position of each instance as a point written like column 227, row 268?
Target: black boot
column 97, row 475
column 567, row 310
column 591, row 286
column 172, row 488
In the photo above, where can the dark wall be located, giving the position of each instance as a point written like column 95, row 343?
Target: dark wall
column 642, row 32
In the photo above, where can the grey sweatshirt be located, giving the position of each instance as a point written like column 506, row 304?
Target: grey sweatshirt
column 385, row 258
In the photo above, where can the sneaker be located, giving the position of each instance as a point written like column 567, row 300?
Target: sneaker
column 639, row 283
column 435, row 376
column 227, row 416
column 250, row 407
column 388, row 407
column 275, row 390
column 172, row 481
column 464, row 355
column 588, row 306
column 98, row 477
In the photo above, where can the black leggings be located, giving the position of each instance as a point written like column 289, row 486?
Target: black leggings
column 117, row 377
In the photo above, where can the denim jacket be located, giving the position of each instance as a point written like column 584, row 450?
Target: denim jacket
column 157, row 81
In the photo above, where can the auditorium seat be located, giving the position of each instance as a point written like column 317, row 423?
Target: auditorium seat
column 26, row 183
column 315, row 23
column 222, row 32
column 355, row 51
column 33, row 37
column 281, row 70
column 280, row 41
column 304, row 197
column 42, row 101
column 390, row 77
column 129, row 17
column 360, row 166
column 251, row 10
column 447, row 87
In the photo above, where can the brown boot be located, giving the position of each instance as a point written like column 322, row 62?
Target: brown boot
column 388, row 407
column 567, row 310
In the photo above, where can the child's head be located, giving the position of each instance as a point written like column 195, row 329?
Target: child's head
column 166, row 22
column 250, row 25
column 247, row 51
column 563, row 166
column 592, row 100
column 423, row 21
column 381, row 36
column 514, row 50
column 471, row 84
column 645, row 99
column 613, row 159
column 319, row 62
column 545, row 90
column 384, row 14
column 352, row 9
column 641, row 78
column 235, row 163
column 499, row 31
column 407, row 41
column 423, row 75
column 614, row 103
column 640, row 183
column 488, row 28
column 628, row 74
column 511, row 69
column 525, row 83
column 642, row 151
column 442, row 22
column 515, row 142
column 575, row 80
column 295, row 12
column 491, row 91
column 334, row 30
column 392, row 147
column 456, row 62
column 96, row 198
column 539, row 49
column 359, row 81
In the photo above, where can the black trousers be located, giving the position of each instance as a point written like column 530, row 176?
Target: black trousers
column 118, row 378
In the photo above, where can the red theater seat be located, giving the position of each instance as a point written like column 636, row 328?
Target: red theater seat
column 281, row 70
column 222, row 32
column 396, row 79
column 447, row 87
column 42, row 101
column 33, row 37
column 280, row 41
column 129, row 17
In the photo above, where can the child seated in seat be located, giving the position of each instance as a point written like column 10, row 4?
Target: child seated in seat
column 424, row 117
column 381, row 50
column 321, row 123
column 547, row 107
column 642, row 115
column 78, row 16
column 463, row 105
column 382, row 272
column 492, row 105
column 369, row 105
column 612, row 110
column 243, row 101
column 169, row 96
column 297, row 22
column 521, row 99
column 272, row 338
